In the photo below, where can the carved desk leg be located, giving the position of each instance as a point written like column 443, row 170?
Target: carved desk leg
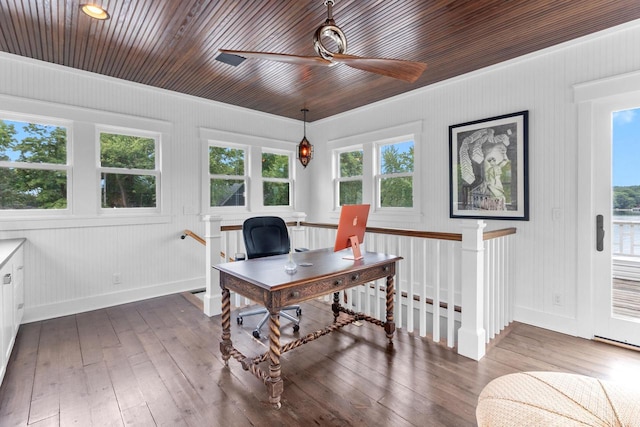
column 225, row 344
column 336, row 306
column 275, row 386
column 390, row 325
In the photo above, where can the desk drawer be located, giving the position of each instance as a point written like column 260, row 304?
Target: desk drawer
column 334, row 284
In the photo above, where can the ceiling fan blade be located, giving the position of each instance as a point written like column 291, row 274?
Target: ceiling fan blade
column 409, row 71
column 280, row 57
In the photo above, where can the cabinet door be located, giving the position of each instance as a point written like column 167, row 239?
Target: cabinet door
column 3, row 360
column 18, row 288
column 6, row 283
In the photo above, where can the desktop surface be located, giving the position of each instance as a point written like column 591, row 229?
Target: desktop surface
column 269, row 273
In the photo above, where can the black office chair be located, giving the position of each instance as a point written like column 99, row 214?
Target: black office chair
column 266, row 236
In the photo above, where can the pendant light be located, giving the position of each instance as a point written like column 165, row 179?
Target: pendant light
column 305, row 149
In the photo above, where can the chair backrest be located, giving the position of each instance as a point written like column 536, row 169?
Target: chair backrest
column 265, row 236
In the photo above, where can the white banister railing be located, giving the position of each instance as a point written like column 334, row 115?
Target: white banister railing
column 626, row 238
column 448, row 286
column 625, row 249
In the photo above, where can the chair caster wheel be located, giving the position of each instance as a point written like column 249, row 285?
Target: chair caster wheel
column 256, row 335
column 239, row 320
column 298, row 312
column 296, row 328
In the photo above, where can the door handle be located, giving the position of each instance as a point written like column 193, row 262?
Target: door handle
column 599, row 233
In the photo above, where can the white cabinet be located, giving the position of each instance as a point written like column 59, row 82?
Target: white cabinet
column 11, row 297
column 6, row 314
column 18, row 288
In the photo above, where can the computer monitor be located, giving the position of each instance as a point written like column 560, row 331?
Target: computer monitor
column 351, row 228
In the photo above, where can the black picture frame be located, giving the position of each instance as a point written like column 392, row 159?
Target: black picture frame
column 488, row 168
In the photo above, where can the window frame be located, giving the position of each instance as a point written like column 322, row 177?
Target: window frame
column 156, row 172
column 67, row 167
column 288, row 180
column 253, row 170
column 82, row 202
column 379, row 176
column 245, row 177
column 338, row 179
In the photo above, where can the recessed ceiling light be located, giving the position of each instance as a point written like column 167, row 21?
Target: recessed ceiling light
column 94, row 11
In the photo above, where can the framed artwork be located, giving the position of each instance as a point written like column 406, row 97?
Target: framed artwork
column 488, row 168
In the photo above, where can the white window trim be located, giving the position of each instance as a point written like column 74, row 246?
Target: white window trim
column 157, row 172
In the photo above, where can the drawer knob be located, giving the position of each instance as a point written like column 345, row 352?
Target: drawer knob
column 355, row 277
column 295, row 294
column 338, row 282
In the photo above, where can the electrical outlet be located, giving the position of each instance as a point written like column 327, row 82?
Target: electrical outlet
column 557, row 299
column 117, row 278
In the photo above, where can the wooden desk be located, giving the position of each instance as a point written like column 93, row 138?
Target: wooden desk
column 265, row 281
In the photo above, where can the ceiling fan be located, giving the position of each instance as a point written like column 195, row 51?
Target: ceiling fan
column 408, row 71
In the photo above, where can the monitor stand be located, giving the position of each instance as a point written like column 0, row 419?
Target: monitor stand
column 355, row 247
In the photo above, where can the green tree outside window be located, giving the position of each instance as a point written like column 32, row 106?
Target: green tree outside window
column 396, row 175
column 350, row 177
column 22, row 186
column 276, row 187
column 131, row 187
column 227, row 182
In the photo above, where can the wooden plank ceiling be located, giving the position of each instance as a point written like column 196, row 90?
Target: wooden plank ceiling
column 172, row 44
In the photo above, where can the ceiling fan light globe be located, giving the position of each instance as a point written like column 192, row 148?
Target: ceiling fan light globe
column 334, row 33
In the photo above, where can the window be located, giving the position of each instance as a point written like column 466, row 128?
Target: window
column 395, row 175
column 227, row 176
column 246, row 173
column 378, row 168
column 129, row 172
column 276, row 182
column 349, row 181
column 34, row 170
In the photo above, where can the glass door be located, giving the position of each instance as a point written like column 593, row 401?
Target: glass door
column 616, row 195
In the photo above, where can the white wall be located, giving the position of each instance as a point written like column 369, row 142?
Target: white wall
column 70, row 262
column 541, row 83
column 70, row 268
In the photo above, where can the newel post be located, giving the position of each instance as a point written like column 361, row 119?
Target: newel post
column 213, row 294
column 471, row 335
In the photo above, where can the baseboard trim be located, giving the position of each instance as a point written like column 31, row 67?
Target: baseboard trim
column 96, row 302
column 617, row 343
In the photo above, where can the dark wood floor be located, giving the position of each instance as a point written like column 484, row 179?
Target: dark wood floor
column 157, row 362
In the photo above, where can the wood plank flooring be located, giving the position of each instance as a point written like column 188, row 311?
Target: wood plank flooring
column 626, row 297
column 157, row 363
